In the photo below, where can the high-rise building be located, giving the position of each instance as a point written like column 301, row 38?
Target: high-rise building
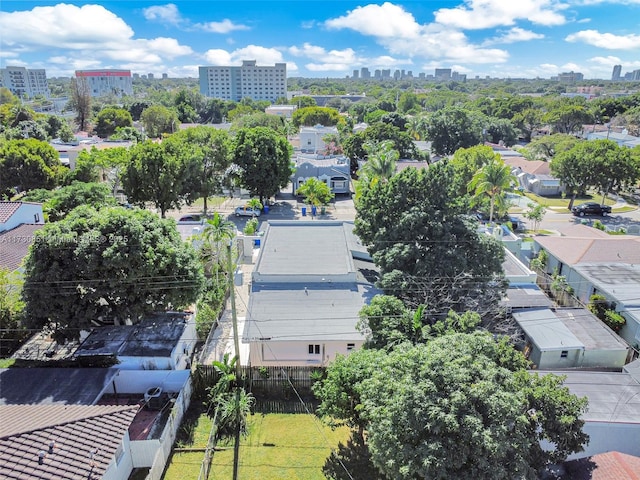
column 107, row 82
column 365, row 73
column 443, row 74
column 25, row 82
column 617, row 70
column 165, row 76
column 249, row 80
column 356, row 74
column 150, row 76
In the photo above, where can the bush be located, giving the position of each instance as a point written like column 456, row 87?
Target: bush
column 251, row 226
column 599, row 225
column 210, row 305
column 614, row 320
column 598, row 305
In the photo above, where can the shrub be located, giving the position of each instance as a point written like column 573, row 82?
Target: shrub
column 599, row 225
column 614, row 320
column 251, row 226
column 598, row 305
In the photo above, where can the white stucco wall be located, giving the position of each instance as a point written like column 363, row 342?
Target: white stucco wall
column 296, row 353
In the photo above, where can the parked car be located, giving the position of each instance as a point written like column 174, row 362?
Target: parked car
column 590, row 208
column 248, row 211
column 192, row 219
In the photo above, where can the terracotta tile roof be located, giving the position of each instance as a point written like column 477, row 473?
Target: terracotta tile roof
column 7, row 209
column 574, row 250
column 605, row 466
column 28, row 430
column 533, row 167
column 15, row 245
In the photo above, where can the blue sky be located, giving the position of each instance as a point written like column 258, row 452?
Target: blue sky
column 500, row 38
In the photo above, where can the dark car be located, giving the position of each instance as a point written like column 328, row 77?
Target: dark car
column 591, row 208
column 190, row 220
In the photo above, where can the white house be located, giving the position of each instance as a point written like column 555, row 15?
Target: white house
column 332, row 170
column 307, row 289
column 284, row 111
column 164, row 341
column 534, row 175
column 311, row 138
column 14, row 214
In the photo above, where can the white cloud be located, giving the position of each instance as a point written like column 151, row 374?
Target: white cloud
column 163, row 13
column 166, row 47
column 225, row 26
column 262, row 56
column 516, row 34
column 605, row 40
column 608, row 61
column 479, row 14
column 217, row 57
column 327, row 67
column 345, row 57
column 386, row 20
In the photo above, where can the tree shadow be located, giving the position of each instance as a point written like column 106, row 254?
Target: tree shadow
column 353, row 457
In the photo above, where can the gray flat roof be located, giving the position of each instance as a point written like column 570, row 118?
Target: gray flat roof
column 49, row 386
column 589, row 329
column 286, row 312
column 546, row 330
column 620, row 280
column 305, row 248
column 613, row 397
column 527, row 296
column 155, row 336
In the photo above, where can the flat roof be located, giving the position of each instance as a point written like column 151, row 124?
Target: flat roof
column 51, row 386
column 154, row 336
column 304, row 248
column 613, row 397
column 594, row 334
column 620, row 280
column 526, row 296
column 547, row 331
column 290, row 312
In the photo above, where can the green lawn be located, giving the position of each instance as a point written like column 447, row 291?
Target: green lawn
column 281, row 446
column 564, row 202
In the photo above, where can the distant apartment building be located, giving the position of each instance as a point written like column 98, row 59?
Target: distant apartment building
column 356, row 74
column 249, row 80
column 107, row 82
column 569, row 77
column 458, row 77
column 617, row 71
column 25, row 82
column 365, row 73
column 443, row 74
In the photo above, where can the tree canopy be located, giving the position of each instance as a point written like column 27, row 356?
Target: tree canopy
column 264, row 158
column 107, row 266
column 311, row 116
column 26, row 165
column 158, row 119
column 110, row 119
column 428, row 250
column 452, row 128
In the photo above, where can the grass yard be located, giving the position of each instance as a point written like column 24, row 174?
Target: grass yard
column 193, row 434
column 281, row 446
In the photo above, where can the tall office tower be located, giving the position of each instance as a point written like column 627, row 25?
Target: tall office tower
column 365, row 73
column 443, row 74
column 249, row 80
column 617, row 70
column 356, row 74
column 25, row 82
column 107, row 82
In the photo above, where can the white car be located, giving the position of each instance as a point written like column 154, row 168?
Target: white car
column 248, row 211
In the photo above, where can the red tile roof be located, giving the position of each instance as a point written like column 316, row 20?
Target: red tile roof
column 27, row 431
column 14, row 245
column 574, row 250
column 605, row 466
column 7, row 209
column 533, row 167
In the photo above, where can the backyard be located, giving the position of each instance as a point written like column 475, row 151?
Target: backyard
column 292, row 446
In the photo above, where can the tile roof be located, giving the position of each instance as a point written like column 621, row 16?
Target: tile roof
column 7, row 209
column 605, row 466
column 15, row 245
column 534, row 167
column 26, row 431
column 574, row 250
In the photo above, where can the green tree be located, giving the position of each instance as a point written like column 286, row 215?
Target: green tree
column 616, row 167
column 311, row 116
column 265, row 160
column 11, row 313
column 528, row 121
column 65, row 199
column 216, row 232
column 111, row 266
column 493, row 179
column 381, row 161
column 111, row 118
column 547, row 146
column 315, row 192
column 535, row 214
column 212, row 155
column 158, row 119
column 429, row 252
column 27, row 164
column 477, row 412
column 467, row 161
column 304, row 101
column 163, row 174
column 577, row 167
column 566, row 117
column 452, row 128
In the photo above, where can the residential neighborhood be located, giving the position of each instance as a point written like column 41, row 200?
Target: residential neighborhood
column 250, row 274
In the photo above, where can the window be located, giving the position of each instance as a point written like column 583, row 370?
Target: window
column 351, row 346
column 564, row 354
column 314, row 349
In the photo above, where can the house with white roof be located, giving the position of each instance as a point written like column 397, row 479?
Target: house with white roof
column 311, row 138
column 330, row 169
column 309, row 283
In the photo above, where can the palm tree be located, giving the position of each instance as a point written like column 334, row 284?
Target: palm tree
column 381, row 162
column 493, row 180
column 216, row 231
column 316, row 192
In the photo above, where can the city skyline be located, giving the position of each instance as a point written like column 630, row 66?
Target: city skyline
column 496, row 38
